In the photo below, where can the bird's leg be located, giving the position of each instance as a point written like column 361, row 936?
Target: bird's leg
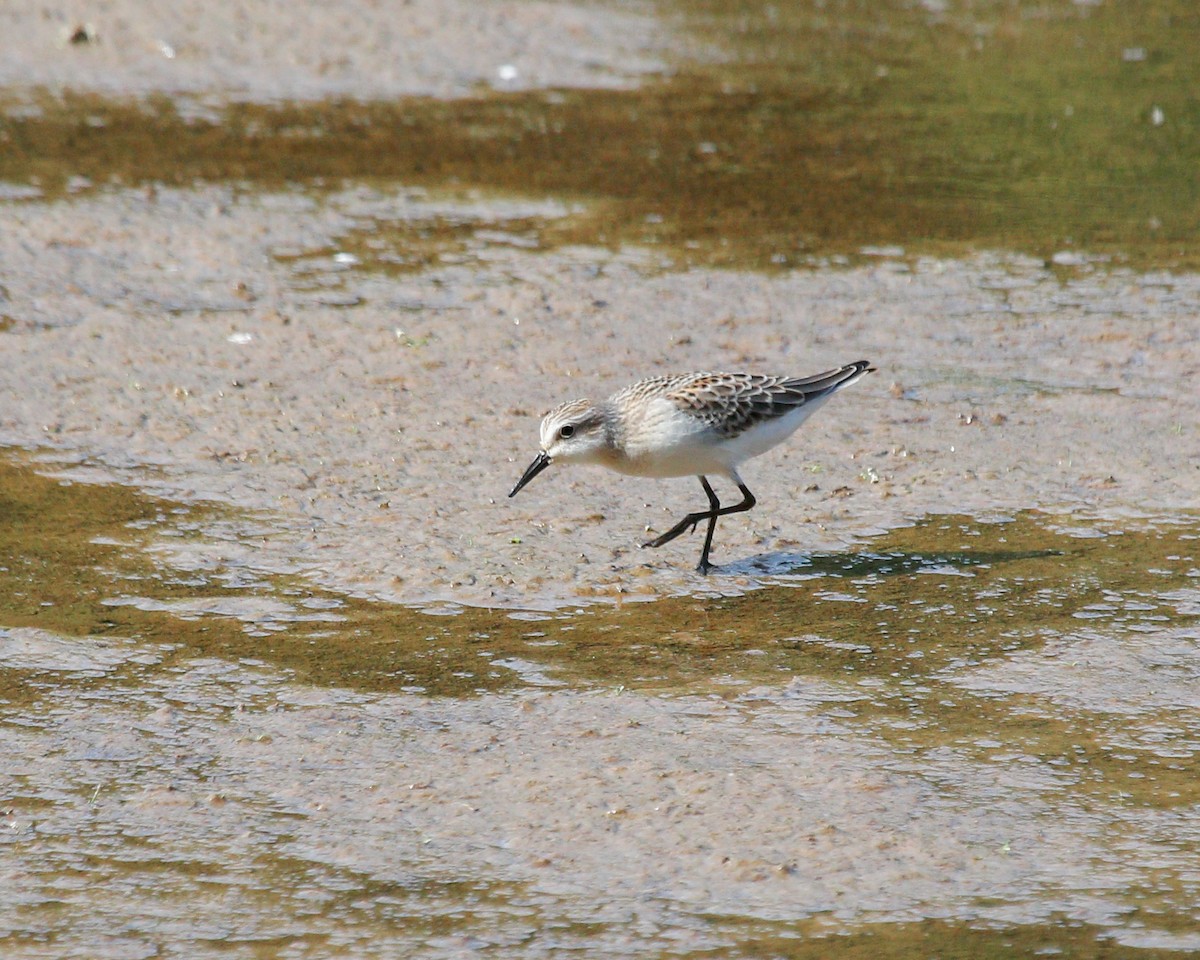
column 715, row 510
column 747, row 502
column 688, row 523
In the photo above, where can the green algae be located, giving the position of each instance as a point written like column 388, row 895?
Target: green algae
column 827, row 130
column 885, row 634
column 877, row 639
column 945, row 940
column 953, row 589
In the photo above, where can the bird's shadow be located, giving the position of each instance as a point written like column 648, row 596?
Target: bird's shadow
column 811, row 566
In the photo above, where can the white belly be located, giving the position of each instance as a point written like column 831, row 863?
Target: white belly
column 669, row 443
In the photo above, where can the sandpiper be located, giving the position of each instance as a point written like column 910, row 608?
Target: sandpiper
column 693, row 424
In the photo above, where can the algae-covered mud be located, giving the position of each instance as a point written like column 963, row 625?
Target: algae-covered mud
column 283, row 292
column 822, row 131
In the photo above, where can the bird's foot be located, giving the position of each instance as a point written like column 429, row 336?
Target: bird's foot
column 686, row 526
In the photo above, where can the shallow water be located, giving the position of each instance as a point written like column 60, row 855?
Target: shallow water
column 996, row 716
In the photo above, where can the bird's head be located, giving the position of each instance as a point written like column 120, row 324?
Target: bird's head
column 573, row 432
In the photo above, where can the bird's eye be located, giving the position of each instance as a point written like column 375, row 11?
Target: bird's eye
column 566, row 431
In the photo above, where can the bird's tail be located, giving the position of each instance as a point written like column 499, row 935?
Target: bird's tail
column 823, row 384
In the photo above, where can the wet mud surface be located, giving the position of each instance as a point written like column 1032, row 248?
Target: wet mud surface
column 283, row 673
column 975, row 721
column 380, row 420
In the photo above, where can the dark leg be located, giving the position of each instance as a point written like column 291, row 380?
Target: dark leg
column 688, row 523
column 715, row 504
column 748, row 501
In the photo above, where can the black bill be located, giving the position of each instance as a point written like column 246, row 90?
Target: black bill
column 538, row 465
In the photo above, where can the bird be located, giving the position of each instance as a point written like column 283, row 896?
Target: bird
column 693, row 424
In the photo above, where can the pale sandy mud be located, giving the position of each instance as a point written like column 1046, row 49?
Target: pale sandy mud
column 382, row 419
column 310, row 50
